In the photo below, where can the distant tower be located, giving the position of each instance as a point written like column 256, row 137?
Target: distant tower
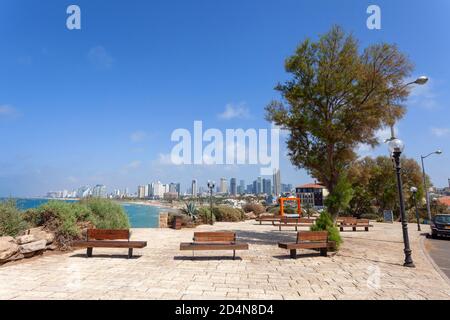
column 223, row 187
column 276, row 182
column 194, row 188
column 233, row 186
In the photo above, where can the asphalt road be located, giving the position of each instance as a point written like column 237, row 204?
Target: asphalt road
column 439, row 250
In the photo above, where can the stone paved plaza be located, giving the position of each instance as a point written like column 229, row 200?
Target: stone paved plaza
column 368, row 266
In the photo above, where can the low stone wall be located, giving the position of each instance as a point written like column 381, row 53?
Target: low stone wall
column 34, row 241
column 163, row 220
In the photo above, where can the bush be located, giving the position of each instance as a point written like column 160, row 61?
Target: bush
column 228, row 214
column 256, row 208
column 325, row 222
column 61, row 218
column 370, row 216
column 106, row 214
column 186, row 221
column 204, row 214
column 66, row 219
column 11, row 221
column 287, row 210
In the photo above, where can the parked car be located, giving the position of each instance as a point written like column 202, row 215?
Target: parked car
column 440, row 225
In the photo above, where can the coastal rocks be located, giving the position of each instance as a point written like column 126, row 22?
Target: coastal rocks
column 30, row 249
column 25, row 239
column 250, row 215
column 40, row 234
column 163, row 220
column 7, row 250
column 7, row 239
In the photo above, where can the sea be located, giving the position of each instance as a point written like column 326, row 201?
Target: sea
column 140, row 216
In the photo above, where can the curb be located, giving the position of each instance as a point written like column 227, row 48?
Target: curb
column 431, row 261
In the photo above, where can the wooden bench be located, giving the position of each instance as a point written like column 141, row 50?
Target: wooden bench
column 294, row 222
column 354, row 223
column 206, row 241
column 271, row 219
column 308, row 240
column 105, row 238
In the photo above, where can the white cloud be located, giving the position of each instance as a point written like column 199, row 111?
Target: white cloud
column 164, row 159
column 440, row 132
column 134, row 164
column 99, row 57
column 7, row 111
column 232, row 111
column 423, row 96
column 138, row 136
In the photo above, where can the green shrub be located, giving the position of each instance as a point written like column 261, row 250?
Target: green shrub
column 325, row 222
column 204, row 214
column 228, row 214
column 254, row 207
column 370, row 216
column 61, row 218
column 190, row 210
column 11, row 221
column 106, row 214
column 287, row 210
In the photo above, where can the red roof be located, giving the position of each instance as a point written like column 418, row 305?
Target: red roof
column 445, row 201
column 312, row 185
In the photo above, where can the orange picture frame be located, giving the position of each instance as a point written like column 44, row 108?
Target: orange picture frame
column 299, row 207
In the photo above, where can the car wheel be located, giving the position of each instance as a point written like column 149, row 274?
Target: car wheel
column 434, row 235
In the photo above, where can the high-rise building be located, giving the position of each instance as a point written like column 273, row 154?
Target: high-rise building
column 194, row 188
column 249, row 189
column 141, row 192
column 259, row 186
column 267, row 186
column 233, row 187
column 277, row 182
column 241, row 188
column 84, row 192
column 223, row 187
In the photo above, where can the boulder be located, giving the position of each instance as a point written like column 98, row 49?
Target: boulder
column 25, row 239
column 7, row 239
column 7, row 250
column 32, row 247
column 250, row 215
column 17, row 256
column 51, row 247
column 40, row 234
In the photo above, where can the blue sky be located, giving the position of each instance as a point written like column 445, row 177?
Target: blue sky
column 98, row 105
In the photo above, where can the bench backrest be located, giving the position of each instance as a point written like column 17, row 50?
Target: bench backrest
column 349, row 220
column 314, row 236
column 363, row 221
column 107, row 234
column 214, row 236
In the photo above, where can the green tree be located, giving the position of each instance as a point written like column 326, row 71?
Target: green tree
column 375, row 185
column 336, row 99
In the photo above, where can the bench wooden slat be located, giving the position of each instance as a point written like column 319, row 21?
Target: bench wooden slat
column 213, row 246
column 304, row 245
column 109, row 244
column 317, row 236
column 107, row 234
column 214, row 236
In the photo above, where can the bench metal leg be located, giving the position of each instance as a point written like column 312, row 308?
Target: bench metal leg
column 341, row 228
column 354, row 228
column 130, row 253
column 234, row 254
column 279, row 228
column 323, row 252
column 366, row 228
column 89, row 252
column 296, row 228
column 293, row 253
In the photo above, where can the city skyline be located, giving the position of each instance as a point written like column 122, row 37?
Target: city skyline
column 82, row 108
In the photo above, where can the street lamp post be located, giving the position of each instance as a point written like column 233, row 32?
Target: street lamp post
column 396, row 147
column 427, row 194
column 414, row 193
column 211, row 185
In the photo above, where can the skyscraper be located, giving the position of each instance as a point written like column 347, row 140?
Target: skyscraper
column 99, row 191
column 223, row 187
column 233, row 186
column 267, row 186
column 241, row 188
column 194, row 188
column 276, row 182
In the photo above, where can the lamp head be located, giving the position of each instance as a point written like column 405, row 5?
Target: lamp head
column 413, row 190
column 421, row 80
column 438, row 151
column 396, row 145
